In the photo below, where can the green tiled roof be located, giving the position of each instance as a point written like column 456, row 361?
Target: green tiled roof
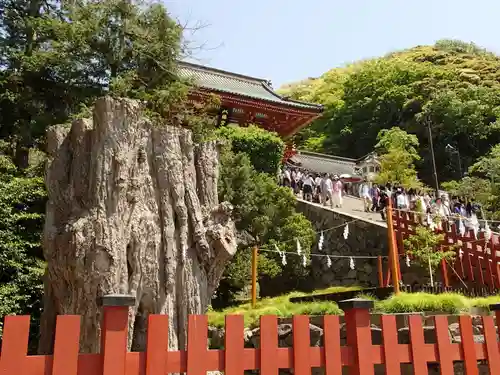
column 250, row 87
column 321, row 163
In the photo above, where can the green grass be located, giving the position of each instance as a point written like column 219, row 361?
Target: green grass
column 411, row 302
column 281, row 306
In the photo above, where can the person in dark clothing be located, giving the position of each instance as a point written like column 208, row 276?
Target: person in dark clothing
column 382, row 203
column 375, row 194
column 469, row 209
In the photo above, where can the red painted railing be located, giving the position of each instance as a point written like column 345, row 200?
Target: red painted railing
column 477, row 261
column 359, row 353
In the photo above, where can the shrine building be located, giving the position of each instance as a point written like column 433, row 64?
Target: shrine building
column 247, row 100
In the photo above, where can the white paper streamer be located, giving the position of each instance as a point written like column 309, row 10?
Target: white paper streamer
column 304, row 260
column 351, row 263
column 328, row 262
column 277, row 249
column 461, row 253
column 283, row 258
column 461, row 227
column 320, row 242
column 299, row 248
column 487, row 232
column 429, row 219
column 184, row 252
column 408, row 261
column 432, row 225
column 346, row 231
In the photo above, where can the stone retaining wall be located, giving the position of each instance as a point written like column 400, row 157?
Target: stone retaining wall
column 366, row 238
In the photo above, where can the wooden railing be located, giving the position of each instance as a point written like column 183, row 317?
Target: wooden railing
column 359, row 354
column 477, row 261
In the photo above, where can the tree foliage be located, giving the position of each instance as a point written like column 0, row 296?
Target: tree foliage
column 482, row 185
column 264, row 149
column 452, row 85
column 424, row 245
column 58, row 57
column 22, row 199
column 398, row 152
column 265, row 213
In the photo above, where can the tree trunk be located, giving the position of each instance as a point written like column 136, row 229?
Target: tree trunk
column 132, row 209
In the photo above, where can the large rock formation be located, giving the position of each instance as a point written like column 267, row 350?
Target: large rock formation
column 132, row 209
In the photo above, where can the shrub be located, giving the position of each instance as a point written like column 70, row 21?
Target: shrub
column 412, row 302
column 264, row 149
column 265, row 212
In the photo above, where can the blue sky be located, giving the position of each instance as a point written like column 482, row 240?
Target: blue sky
column 287, row 41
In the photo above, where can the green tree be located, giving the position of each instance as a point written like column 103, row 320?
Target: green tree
column 452, row 85
column 470, row 187
column 34, row 89
column 264, row 149
column 265, row 215
column 314, row 144
column 489, row 165
column 424, row 246
column 58, row 57
column 22, row 198
column 482, row 185
column 129, row 49
column 398, row 152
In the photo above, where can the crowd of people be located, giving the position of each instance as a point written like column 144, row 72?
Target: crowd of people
column 319, row 188
column 427, row 206
column 329, row 190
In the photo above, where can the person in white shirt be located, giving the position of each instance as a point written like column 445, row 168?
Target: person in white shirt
column 298, row 182
column 441, row 211
column 307, row 188
column 364, row 194
column 337, row 192
column 317, row 186
column 287, row 179
column 401, row 199
column 327, row 191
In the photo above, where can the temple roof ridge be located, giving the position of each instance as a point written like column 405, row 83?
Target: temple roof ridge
column 238, row 84
column 328, row 156
column 205, row 68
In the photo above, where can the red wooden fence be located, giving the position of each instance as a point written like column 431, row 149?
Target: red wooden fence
column 359, row 354
column 477, row 262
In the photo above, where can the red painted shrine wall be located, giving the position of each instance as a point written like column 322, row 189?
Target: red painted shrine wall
column 477, row 260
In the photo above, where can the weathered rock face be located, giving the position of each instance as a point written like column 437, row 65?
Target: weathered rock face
column 365, row 239
column 132, row 209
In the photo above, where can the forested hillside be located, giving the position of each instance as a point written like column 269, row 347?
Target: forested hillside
column 452, row 86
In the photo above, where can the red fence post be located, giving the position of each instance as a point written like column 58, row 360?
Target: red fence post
column 197, row 345
column 234, row 345
column 359, row 335
column 114, row 332
column 496, row 309
column 380, row 271
column 66, row 345
column 15, row 345
column 157, row 345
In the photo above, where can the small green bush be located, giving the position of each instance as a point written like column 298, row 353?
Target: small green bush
column 412, row 302
column 266, row 212
column 281, row 306
column 265, row 149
